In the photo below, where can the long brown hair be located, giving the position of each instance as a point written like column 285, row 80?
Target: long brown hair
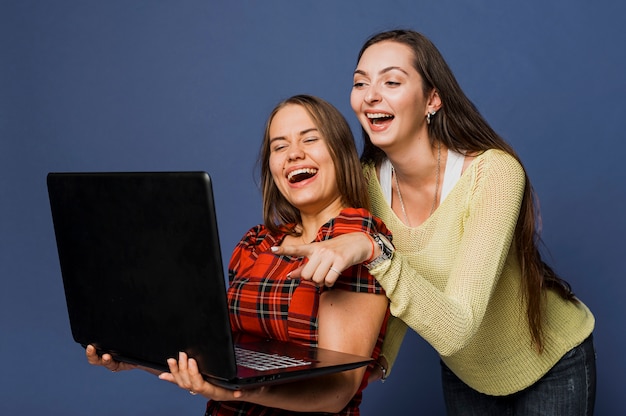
column 459, row 125
column 335, row 131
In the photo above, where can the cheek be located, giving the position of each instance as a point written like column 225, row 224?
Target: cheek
column 355, row 101
column 277, row 174
column 411, row 101
column 275, row 165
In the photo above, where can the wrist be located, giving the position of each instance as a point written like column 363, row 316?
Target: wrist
column 385, row 250
column 382, row 362
column 375, row 252
column 383, row 375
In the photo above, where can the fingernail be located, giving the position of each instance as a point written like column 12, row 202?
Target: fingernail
column 274, row 249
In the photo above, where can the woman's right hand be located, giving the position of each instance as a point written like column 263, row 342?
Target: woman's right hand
column 327, row 259
column 106, row 360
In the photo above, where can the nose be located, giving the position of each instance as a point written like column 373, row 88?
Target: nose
column 295, row 152
column 372, row 95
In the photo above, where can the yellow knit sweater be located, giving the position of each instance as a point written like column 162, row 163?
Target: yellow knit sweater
column 455, row 280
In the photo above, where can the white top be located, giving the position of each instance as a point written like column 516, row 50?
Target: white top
column 454, row 168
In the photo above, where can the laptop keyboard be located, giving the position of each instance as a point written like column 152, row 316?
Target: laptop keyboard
column 263, row 361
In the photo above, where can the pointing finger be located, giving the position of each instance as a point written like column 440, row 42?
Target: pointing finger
column 300, row 250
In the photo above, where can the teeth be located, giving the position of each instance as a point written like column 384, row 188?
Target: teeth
column 378, row 115
column 309, row 171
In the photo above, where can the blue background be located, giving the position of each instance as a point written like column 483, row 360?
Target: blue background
column 187, row 85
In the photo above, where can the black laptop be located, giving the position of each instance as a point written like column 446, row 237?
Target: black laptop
column 143, row 278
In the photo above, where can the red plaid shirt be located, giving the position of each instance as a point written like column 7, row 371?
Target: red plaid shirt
column 265, row 302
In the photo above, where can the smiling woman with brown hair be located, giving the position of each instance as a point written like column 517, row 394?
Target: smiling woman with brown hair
column 313, row 190
column 466, row 273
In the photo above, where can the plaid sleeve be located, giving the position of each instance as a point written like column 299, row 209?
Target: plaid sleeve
column 246, row 252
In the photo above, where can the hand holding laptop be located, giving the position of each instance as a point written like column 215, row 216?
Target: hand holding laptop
column 107, row 361
column 185, row 374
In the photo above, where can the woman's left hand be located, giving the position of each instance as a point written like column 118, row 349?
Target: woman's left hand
column 185, row 373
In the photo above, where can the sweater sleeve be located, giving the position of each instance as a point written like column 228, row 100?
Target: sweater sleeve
column 448, row 315
column 396, row 330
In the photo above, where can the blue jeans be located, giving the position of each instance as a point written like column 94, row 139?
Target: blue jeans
column 569, row 388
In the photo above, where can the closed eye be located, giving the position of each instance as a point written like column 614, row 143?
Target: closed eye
column 311, row 139
column 278, row 148
column 278, row 144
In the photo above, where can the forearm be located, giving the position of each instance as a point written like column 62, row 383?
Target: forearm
column 329, row 393
column 349, row 322
column 442, row 321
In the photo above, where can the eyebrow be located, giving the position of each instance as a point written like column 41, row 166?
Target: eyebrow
column 302, row 133
column 382, row 71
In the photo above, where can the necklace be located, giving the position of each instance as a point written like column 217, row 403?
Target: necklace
column 432, row 209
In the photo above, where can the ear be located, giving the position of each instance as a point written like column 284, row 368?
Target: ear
column 434, row 101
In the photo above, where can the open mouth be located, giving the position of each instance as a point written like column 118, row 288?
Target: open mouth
column 300, row 175
column 379, row 118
